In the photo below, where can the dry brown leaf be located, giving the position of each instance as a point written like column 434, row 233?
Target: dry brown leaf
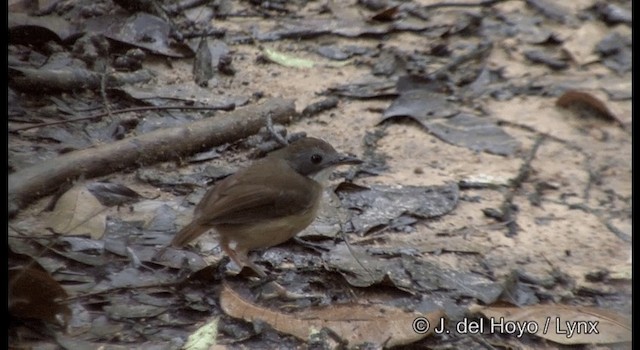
column 564, row 324
column 587, row 98
column 386, row 15
column 355, row 323
column 79, row 212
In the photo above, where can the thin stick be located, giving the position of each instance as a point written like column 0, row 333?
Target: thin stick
column 225, row 107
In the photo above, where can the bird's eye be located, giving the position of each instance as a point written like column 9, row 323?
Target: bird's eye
column 316, row 159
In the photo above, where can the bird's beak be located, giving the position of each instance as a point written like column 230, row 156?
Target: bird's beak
column 346, row 159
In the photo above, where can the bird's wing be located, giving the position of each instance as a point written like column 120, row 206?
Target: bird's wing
column 260, row 192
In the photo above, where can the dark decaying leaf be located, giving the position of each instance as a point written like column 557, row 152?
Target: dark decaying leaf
column 205, row 156
column 376, row 324
column 478, row 134
column 111, row 194
column 67, row 140
column 366, row 89
column 121, row 311
column 379, row 205
column 333, row 52
column 133, row 277
column 15, row 110
column 75, row 343
column 529, row 29
column 202, row 64
column 431, row 277
column 151, row 296
column 386, row 63
column 408, row 273
column 125, row 239
column 412, row 82
column 488, row 82
column 173, row 258
column 90, row 258
column 118, row 129
column 613, row 43
column 550, row 9
column 187, row 93
column 140, row 30
column 163, row 179
column 553, row 62
column 361, row 269
column 613, row 13
column 164, row 220
column 213, row 173
column 34, row 249
column 102, row 326
column 36, row 30
column 299, row 29
column 219, row 50
column 81, row 244
column 617, row 52
column 420, row 105
column 519, row 291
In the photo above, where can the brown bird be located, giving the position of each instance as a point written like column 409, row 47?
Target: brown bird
column 266, row 203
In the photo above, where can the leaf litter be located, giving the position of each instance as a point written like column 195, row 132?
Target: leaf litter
column 123, row 268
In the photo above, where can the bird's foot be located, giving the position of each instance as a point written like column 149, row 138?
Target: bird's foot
column 273, row 290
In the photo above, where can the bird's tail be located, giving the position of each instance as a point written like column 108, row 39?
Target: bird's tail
column 188, row 234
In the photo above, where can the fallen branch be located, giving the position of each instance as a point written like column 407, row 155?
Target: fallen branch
column 39, row 180
column 69, row 79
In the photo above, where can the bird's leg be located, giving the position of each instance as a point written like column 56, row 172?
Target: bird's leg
column 273, row 289
column 240, row 258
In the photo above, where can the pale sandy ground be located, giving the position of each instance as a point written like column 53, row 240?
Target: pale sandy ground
column 551, row 236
